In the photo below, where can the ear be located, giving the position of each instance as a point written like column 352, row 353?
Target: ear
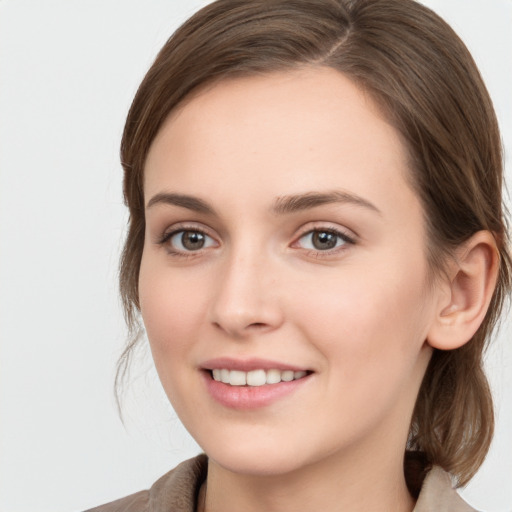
column 465, row 292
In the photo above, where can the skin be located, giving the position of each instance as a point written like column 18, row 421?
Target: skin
column 358, row 316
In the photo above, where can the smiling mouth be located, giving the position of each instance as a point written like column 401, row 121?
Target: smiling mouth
column 256, row 378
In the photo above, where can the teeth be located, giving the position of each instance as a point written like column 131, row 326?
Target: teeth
column 273, row 376
column 237, row 378
column 224, row 376
column 287, row 376
column 255, row 377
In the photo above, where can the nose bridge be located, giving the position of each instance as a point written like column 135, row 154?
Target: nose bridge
column 245, row 298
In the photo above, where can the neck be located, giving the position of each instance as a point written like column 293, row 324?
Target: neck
column 336, row 483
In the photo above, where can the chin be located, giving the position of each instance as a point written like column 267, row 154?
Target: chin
column 271, row 456
column 259, row 463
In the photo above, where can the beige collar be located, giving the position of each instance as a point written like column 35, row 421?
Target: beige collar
column 437, row 494
column 179, row 491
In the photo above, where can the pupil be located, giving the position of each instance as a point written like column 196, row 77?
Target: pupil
column 192, row 240
column 323, row 240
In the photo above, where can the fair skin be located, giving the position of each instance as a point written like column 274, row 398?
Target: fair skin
column 332, row 282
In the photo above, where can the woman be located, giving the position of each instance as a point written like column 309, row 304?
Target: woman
column 318, row 252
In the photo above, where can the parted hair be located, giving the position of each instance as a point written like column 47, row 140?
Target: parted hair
column 425, row 81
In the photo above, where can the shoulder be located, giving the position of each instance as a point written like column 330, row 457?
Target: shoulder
column 438, row 495
column 176, row 490
column 137, row 502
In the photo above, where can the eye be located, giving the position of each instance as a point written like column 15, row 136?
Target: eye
column 187, row 240
column 323, row 240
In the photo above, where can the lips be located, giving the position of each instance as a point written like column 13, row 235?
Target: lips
column 250, row 384
column 246, row 365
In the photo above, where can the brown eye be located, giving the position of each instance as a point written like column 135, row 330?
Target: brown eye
column 189, row 240
column 323, row 240
column 192, row 240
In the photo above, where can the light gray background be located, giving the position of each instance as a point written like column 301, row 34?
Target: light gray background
column 68, row 71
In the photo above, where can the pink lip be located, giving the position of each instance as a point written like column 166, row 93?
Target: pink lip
column 249, row 397
column 247, row 365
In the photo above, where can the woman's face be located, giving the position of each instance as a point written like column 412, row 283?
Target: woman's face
column 283, row 241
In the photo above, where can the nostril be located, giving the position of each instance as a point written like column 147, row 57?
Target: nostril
column 242, row 330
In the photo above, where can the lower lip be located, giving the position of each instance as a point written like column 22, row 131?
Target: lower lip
column 250, row 397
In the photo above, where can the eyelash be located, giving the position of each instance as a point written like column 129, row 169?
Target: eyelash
column 166, row 237
column 346, row 239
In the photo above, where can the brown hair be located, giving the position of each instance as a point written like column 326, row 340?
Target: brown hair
column 424, row 79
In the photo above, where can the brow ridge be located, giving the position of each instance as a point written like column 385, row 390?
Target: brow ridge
column 282, row 205
column 299, row 202
column 182, row 200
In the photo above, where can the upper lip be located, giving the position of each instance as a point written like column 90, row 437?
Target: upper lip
column 247, row 365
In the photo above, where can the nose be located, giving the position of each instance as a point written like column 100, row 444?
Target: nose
column 245, row 300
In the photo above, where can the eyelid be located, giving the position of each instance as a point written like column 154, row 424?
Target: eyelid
column 174, row 229
column 345, row 234
column 206, row 238
column 327, row 226
column 348, row 236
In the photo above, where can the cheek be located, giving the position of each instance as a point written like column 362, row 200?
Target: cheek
column 375, row 320
column 171, row 308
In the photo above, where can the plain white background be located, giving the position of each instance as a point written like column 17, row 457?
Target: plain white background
column 68, row 72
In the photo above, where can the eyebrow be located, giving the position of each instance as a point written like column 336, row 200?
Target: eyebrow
column 299, row 202
column 183, row 200
column 283, row 205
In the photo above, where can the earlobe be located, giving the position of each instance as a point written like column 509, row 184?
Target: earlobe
column 466, row 292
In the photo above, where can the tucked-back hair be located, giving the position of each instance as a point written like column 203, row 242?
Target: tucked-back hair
column 425, row 81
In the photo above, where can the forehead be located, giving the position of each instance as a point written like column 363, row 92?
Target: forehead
column 287, row 132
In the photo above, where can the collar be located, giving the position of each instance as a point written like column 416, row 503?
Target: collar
column 179, row 488
column 438, row 495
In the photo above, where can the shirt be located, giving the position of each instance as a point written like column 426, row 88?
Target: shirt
column 177, row 491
